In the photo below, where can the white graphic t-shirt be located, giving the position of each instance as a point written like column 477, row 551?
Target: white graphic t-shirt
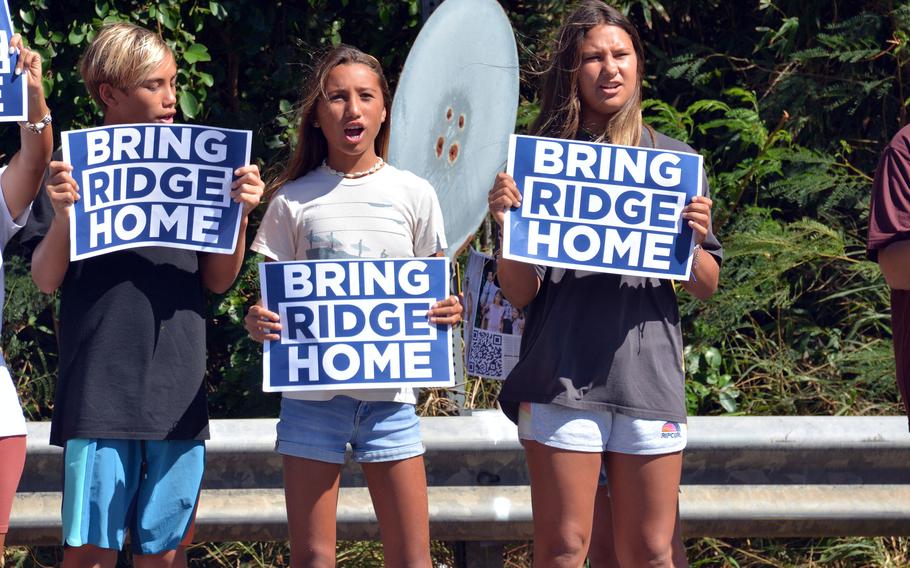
column 389, row 214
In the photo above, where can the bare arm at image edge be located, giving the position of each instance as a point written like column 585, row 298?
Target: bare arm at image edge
column 889, row 216
column 894, row 260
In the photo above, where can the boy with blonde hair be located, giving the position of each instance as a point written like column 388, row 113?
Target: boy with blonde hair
column 130, row 407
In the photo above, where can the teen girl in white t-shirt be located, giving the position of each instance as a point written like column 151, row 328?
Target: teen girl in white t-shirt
column 337, row 198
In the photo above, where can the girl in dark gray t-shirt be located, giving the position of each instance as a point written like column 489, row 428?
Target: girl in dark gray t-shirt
column 600, row 376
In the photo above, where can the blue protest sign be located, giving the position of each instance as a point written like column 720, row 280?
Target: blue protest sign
column 154, row 185
column 13, row 100
column 601, row 207
column 356, row 324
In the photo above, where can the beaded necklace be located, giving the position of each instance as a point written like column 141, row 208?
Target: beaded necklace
column 354, row 175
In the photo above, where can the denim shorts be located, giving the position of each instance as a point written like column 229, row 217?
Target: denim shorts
column 320, row 430
column 147, row 487
column 598, row 430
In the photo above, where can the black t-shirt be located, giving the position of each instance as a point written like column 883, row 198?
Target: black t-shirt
column 600, row 341
column 132, row 343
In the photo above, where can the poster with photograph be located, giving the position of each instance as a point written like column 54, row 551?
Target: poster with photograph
column 492, row 326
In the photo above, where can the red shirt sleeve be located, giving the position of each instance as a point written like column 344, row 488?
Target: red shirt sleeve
column 889, row 214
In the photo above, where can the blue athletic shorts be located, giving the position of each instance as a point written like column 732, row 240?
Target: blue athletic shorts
column 320, row 430
column 147, row 487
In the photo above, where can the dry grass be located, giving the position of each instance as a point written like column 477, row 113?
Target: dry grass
column 878, row 552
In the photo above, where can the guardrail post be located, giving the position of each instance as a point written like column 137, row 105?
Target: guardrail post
column 478, row 554
column 458, row 394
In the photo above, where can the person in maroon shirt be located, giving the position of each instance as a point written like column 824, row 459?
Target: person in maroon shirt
column 889, row 244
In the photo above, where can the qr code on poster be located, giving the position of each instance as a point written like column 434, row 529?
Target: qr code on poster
column 485, row 356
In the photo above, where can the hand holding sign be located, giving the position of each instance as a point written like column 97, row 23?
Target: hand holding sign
column 503, row 196
column 446, row 312
column 262, row 324
column 247, row 188
column 698, row 214
column 28, row 64
column 62, row 189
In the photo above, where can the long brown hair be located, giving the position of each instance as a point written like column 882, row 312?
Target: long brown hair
column 560, row 104
column 311, row 147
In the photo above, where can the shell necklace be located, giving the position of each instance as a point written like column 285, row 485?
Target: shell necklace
column 353, row 175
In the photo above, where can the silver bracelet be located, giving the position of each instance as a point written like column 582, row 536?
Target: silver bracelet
column 695, row 252
column 37, row 127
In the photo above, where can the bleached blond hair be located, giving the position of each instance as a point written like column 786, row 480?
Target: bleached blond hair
column 122, row 55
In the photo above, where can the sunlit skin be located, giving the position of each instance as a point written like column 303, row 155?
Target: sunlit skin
column 608, row 74
column 350, row 116
column 894, row 261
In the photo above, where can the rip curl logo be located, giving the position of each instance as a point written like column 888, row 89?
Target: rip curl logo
column 670, row 430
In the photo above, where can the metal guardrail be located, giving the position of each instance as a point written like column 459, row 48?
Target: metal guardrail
column 742, row 477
